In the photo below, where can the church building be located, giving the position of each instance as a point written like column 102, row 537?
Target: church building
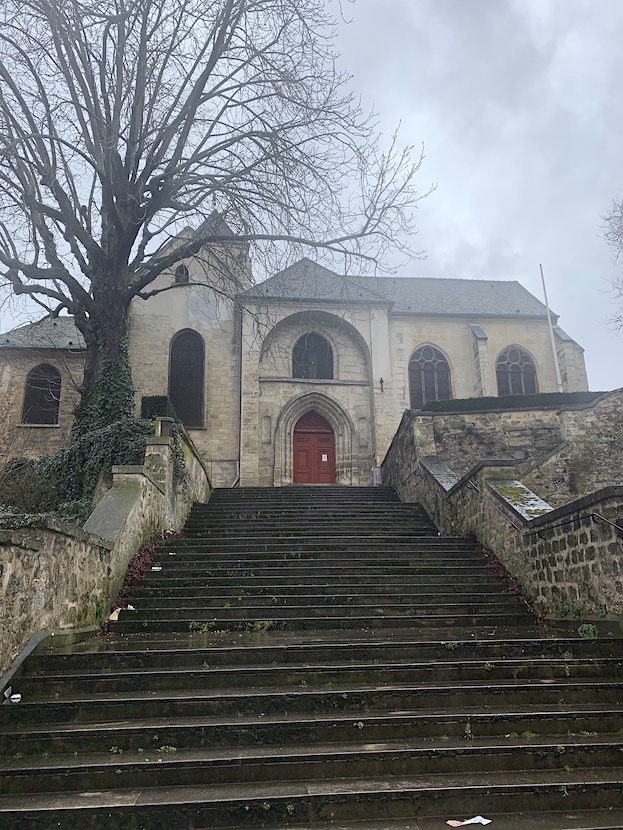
column 302, row 378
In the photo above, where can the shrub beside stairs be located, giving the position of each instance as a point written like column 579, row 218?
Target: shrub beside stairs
column 317, row 657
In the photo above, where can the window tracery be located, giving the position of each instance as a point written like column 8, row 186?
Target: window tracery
column 515, row 372
column 312, row 358
column 429, row 377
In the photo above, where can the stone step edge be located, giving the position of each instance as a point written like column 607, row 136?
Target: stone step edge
column 246, row 794
column 493, row 664
column 343, row 644
column 296, row 754
column 448, row 715
column 195, row 696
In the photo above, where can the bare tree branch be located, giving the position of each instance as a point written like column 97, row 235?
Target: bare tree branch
column 125, row 122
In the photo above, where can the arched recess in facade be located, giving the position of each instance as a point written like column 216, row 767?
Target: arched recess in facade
column 280, row 341
column 345, row 468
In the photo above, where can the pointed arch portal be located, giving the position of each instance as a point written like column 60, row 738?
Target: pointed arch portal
column 313, row 450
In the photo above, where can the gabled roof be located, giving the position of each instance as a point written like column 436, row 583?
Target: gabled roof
column 47, row 333
column 308, row 281
column 215, row 225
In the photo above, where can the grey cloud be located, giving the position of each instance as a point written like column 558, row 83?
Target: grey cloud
column 519, row 104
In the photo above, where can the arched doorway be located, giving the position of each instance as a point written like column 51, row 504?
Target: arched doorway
column 313, row 450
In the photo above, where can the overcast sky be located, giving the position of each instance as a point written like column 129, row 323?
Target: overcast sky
column 519, row 105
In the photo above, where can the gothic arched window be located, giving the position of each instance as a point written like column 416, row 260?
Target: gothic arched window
column 42, row 395
column 515, row 372
column 312, row 358
column 186, row 377
column 181, row 275
column 429, row 377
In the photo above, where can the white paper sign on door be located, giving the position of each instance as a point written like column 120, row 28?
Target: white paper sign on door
column 325, row 457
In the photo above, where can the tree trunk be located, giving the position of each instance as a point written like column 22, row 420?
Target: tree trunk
column 107, row 391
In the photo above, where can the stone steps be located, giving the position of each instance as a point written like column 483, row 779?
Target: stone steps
column 357, row 699
column 109, row 653
column 389, row 674
column 286, row 670
column 318, row 801
column 172, row 767
column 291, row 603
column 421, row 728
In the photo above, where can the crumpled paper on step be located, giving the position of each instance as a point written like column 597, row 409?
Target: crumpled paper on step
column 475, row 820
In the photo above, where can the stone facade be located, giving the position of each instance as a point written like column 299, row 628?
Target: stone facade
column 32, row 440
column 155, row 322
column 250, row 400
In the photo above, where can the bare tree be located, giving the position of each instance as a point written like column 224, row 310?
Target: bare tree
column 613, row 234
column 124, row 121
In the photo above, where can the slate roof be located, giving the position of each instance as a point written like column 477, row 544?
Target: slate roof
column 306, row 280
column 215, row 225
column 47, row 333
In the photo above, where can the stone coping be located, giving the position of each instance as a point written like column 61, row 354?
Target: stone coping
column 522, row 499
column 45, row 522
column 570, row 511
column 135, row 470
column 440, row 470
column 558, row 407
column 614, row 491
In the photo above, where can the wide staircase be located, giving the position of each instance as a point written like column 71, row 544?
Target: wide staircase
column 317, row 657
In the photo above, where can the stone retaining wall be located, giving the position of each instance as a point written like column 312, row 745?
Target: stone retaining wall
column 559, row 453
column 590, row 457
column 58, row 576
column 565, row 559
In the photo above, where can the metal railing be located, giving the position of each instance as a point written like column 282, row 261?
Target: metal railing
column 595, row 517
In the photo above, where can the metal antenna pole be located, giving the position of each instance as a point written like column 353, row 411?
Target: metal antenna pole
column 551, row 333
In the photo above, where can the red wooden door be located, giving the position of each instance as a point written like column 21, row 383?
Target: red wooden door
column 314, row 450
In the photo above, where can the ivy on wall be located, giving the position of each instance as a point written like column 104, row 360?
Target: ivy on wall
column 110, row 399
column 64, row 483
column 104, row 434
column 157, row 406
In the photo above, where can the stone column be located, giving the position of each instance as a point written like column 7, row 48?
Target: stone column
column 484, row 378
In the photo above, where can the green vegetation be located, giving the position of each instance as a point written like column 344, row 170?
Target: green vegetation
column 110, row 397
column 104, row 433
column 588, row 631
column 261, row 625
column 201, row 628
column 64, row 484
column 157, row 406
